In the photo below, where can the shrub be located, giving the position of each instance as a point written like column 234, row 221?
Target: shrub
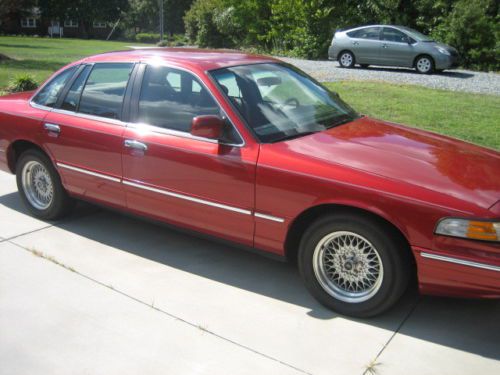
column 24, row 82
column 147, row 38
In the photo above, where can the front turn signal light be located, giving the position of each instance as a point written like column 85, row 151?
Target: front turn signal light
column 472, row 229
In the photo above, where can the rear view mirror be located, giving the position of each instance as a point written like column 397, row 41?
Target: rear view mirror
column 269, row 81
column 208, row 126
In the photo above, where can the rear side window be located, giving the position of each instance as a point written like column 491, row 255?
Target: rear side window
column 72, row 98
column 103, row 93
column 170, row 98
column 366, row 33
column 48, row 95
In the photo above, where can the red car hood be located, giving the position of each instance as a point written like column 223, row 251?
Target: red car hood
column 420, row 158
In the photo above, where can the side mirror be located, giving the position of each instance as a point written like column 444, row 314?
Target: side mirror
column 207, row 126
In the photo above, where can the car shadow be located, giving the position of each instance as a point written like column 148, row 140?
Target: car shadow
column 446, row 73
column 467, row 325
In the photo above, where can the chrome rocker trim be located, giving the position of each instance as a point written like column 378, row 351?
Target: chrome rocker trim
column 462, row 262
column 90, row 173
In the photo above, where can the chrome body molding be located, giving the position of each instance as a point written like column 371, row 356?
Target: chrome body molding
column 87, row 172
column 269, row 217
column 188, row 198
column 172, row 194
column 462, row 262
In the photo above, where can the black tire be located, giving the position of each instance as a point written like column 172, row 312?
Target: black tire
column 346, row 59
column 392, row 253
column 60, row 204
column 364, row 66
column 424, row 64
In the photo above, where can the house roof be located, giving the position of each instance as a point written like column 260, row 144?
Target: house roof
column 202, row 59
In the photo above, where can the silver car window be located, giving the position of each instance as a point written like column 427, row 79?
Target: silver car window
column 365, row 33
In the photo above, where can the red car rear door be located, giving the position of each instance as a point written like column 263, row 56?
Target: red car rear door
column 84, row 132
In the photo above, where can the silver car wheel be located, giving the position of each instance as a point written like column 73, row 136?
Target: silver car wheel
column 346, row 59
column 37, row 185
column 348, row 267
column 424, row 64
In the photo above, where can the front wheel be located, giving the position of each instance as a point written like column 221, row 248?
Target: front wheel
column 40, row 186
column 353, row 265
column 424, row 65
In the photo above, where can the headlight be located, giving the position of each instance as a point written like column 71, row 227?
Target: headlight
column 444, row 51
column 471, row 229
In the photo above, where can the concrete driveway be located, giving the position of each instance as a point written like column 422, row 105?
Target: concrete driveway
column 102, row 293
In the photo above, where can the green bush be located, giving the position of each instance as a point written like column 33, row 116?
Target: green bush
column 147, row 38
column 474, row 32
column 24, row 82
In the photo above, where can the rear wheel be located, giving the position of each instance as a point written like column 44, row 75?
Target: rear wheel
column 40, row 186
column 346, row 59
column 353, row 265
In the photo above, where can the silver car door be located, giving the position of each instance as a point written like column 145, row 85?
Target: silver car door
column 366, row 45
column 396, row 48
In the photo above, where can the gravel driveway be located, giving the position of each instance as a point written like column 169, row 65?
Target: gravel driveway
column 455, row 80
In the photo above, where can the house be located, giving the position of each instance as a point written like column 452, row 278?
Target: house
column 34, row 23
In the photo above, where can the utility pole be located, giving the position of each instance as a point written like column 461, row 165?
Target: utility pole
column 161, row 20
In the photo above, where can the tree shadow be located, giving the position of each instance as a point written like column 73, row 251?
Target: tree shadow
column 31, row 46
column 468, row 325
column 31, row 64
column 446, row 73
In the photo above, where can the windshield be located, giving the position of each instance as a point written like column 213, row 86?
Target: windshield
column 279, row 102
column 417, row 35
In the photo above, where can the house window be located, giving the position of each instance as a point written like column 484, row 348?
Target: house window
column 28, row 22
column 99, row 25
column 70, row 23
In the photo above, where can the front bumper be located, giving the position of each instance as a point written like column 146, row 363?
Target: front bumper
column 467, row 273
column 442, row 61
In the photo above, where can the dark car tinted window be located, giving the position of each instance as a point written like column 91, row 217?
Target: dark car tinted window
column 103, row 93
column 393, row 35
column 50, row 92
column 72, row 99
column 366, row 33
column 170, row 98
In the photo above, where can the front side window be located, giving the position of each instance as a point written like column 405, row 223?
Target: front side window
column 393, row 35
column 48, row 95
column 170, row 98
column 105, row 88
column 365, row 33
column 279, row 102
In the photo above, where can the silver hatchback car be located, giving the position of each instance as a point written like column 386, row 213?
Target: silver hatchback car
column 391, row 46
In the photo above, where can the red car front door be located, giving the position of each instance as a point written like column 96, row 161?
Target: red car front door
column 171, row 175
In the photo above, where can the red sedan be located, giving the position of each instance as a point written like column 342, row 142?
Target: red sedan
column 251, row 150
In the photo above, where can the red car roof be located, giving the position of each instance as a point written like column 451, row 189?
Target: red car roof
column 203, row 59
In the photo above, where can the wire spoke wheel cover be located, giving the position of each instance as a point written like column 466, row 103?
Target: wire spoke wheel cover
column 37, row 185
column 348, row 266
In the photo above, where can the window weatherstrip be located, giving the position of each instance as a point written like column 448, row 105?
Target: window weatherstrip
column 462, row 262
column 90, row 173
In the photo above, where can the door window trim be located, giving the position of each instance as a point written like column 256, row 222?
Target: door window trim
column 134, row 102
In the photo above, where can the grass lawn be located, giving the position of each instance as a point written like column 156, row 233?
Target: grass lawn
column 42, row 56
column 472, row 117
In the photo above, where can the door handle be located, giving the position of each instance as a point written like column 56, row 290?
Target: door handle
column 385, row 46
column 132, row 143
column 355, row 43
column 53, row 128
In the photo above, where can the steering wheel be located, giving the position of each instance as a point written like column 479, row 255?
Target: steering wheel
column 290, row 101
